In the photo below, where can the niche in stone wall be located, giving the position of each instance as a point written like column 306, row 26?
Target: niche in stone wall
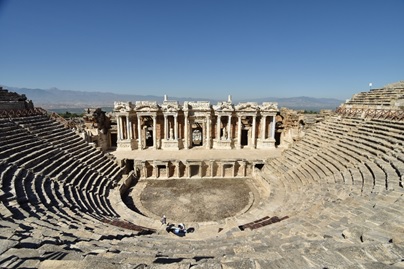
column 182, row 169
column 171, row 169
column 194, row 170
column 149, row 169
column 228, row 170
column 161, row 171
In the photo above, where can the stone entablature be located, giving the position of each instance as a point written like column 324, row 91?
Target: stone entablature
column 172, row 126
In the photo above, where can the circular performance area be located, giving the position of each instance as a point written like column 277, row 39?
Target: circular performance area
column 196, row 200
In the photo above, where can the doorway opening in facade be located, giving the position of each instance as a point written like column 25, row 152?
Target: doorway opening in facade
column 194, row 170
column 197, row 135
column 162, row 171
column 124, row 128
column 114, row 138
column 244, row 137
column 149, row 137
column 130, row 164
column 148, row 132
column 246, row 126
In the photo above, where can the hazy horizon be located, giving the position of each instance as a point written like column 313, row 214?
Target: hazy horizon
column 327, row 49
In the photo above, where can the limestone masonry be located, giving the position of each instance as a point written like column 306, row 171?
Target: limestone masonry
column 171, row 126
column 308, row 192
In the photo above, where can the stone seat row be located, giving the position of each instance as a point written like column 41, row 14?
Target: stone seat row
column 29, row 144
column 335, row 214
column 357, row 148
column 345, row 203
column 70, row 143
column 71, row 185
column 306, row 235
column 26, row 188
column 37, row 202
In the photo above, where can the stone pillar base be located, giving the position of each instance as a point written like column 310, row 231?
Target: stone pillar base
column 170, row 144
column 266, row 144
column 222, row 144
column 126, row 145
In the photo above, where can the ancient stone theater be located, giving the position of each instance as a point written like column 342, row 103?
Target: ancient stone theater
column 200, row 185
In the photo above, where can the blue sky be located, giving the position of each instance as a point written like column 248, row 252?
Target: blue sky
column 192, row 48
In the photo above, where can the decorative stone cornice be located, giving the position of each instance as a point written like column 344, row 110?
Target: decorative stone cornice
column 247, row 107
column 122, row 106
column 223, row 107
column 269, row 107
column 170, row 106
column 198, row 106
column 147, row 106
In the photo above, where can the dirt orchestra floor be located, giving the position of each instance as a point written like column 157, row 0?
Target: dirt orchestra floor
column 194, row 200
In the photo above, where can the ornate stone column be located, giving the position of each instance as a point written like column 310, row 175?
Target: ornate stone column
column 218, row 127
column 208, row 123
column 204, row 132
column 272, row 136
column 175, row 128
column 154, row 132
column 228, row 128
column 239, row 132
column 131, row 129
column 186, row 135
column 119, row 127
column 253, row 130
column 165, row 127
column 139, row 132
column 263, row 127
column 128, row 136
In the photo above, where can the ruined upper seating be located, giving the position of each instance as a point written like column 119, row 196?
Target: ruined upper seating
column 384, row 103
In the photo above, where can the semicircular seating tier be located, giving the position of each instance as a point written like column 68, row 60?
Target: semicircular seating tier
column 336, row 200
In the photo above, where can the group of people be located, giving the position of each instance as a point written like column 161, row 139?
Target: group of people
column 179, row 230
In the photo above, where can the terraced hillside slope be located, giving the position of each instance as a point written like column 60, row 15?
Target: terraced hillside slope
column 335, row 199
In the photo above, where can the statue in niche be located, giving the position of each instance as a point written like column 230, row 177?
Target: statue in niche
column 148, row 134
column 224, row 131
column 197, row 137
column 171, row 134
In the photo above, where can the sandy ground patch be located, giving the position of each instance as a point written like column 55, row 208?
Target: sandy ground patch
column 196, row 200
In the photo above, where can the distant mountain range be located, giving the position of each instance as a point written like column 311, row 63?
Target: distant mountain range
column 57, row 99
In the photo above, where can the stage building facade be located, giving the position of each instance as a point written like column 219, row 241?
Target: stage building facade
column 172, row 126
